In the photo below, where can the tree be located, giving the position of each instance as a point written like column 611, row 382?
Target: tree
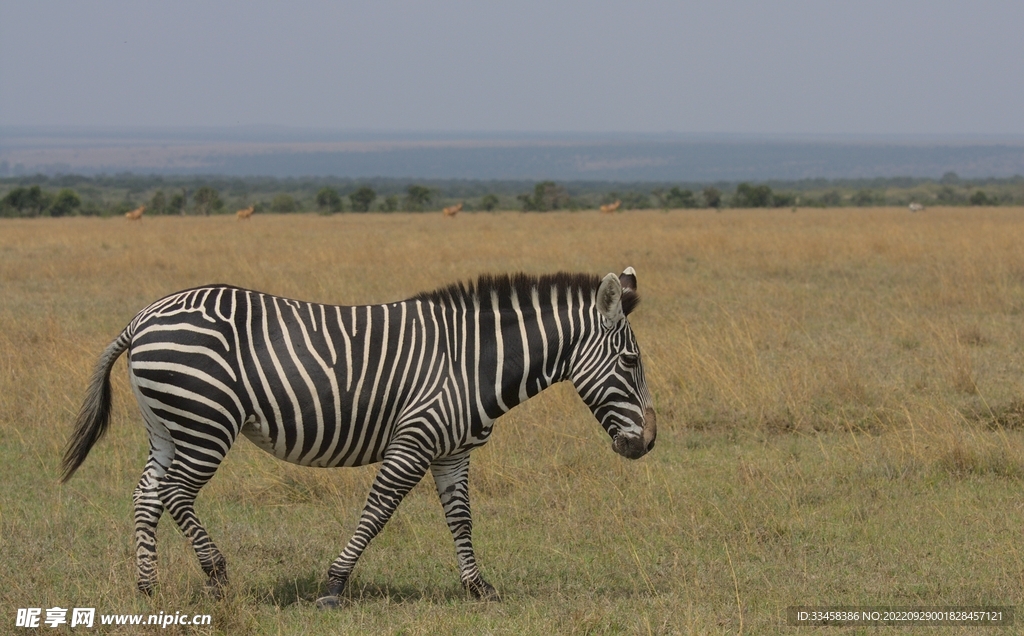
column 783, row 199
column 748, row 196
column 980, row 198
column 176, row 204
column 206, row 200
column 678, row 198
column 864, row 198
column 283, row 204
column 158, row 204
column 712, row 197
column 948, row 195
column 29, row 201
column 67, row 202
column 489, row 202
column 547, row 195
column 362, row 198
column 390, row 203
column 328, row 200
column 832, row 198
column 417, row 197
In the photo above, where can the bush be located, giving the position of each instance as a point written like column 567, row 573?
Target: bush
column 328, row 200
column 783, row 199
column 678, row 198
column 547, row 195
column 980, row 198
column 417, row 197
column 748, row 196
column 206, row 200
column 489, row 202
column 158, row 204
column 948, row 195
column 177, row 204
column 362, row 198
column 865, row 198
column 832, row 199
column 712, row 197
column 67, row 202
column 283, row 204
column 29, row 201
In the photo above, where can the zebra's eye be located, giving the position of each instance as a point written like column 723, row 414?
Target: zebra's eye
column 629, row 360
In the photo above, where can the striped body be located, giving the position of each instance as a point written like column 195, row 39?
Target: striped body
column 414, row 385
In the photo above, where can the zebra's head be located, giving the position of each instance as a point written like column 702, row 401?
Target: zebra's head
column 609, row 374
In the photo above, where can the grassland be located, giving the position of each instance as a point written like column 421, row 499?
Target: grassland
column 841, row 422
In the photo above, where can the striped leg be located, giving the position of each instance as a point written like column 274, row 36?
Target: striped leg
column 400, row 471
column 178, row 490
column 451, row 476
column 148, row 506
column 148, row 510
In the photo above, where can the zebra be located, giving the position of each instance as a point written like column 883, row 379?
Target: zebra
column 413, row 385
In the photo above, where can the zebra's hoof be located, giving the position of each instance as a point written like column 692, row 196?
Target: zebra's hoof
column 216, row 584
column 484, row 591
column 328, row 603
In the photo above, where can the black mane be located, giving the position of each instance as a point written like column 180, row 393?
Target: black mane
column 523, row 285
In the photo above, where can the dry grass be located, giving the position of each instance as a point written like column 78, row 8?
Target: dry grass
column 839, row 398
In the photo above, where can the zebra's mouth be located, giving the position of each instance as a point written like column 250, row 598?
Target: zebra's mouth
column 636, row 446
column 631, row 447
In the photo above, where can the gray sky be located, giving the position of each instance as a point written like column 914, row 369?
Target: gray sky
column 779, row 67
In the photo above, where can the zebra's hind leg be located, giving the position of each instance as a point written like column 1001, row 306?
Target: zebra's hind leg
column 451, row 476
column 178, row 490
column 148, row 510
column 146, row 499
column 399, row 472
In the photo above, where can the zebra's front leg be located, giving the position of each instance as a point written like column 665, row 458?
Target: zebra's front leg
column 399, row 472
column 451, row 476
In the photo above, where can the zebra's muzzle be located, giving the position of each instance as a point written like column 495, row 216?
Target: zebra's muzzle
column 636, row 446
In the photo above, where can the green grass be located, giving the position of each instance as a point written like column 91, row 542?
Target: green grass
column 839, row 398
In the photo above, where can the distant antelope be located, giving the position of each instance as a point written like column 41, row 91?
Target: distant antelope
column 246, row 213
column 135, row 214
column 453, row 210
column 608, row 208
column 915, row 207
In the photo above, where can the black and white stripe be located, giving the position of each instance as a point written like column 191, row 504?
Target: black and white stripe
column 414, row 385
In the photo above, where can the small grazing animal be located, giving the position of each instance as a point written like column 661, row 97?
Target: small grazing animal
column 135, row 214
column 246, row 213
column 453, row 210
column 608, row 208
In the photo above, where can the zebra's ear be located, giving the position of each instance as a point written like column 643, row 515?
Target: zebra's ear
column 628, row 280
column 630, row 299
column 609, row 299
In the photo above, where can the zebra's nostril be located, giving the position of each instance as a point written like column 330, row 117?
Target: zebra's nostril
column 650, row 446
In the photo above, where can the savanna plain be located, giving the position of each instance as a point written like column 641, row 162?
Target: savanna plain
column 841, row 422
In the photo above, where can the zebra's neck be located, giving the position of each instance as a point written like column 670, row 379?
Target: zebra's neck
column 526, row 343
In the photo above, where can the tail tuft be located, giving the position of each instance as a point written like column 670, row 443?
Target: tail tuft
column 94, row 416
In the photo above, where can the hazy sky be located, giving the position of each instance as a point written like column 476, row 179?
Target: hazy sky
column 864, row 67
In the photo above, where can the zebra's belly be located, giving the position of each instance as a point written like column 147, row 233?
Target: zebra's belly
column 321, row 453
column 257, row 432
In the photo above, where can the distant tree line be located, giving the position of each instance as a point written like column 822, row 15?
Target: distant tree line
column 105, row 195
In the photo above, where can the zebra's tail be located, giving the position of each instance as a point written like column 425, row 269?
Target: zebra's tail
column 94, row 416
